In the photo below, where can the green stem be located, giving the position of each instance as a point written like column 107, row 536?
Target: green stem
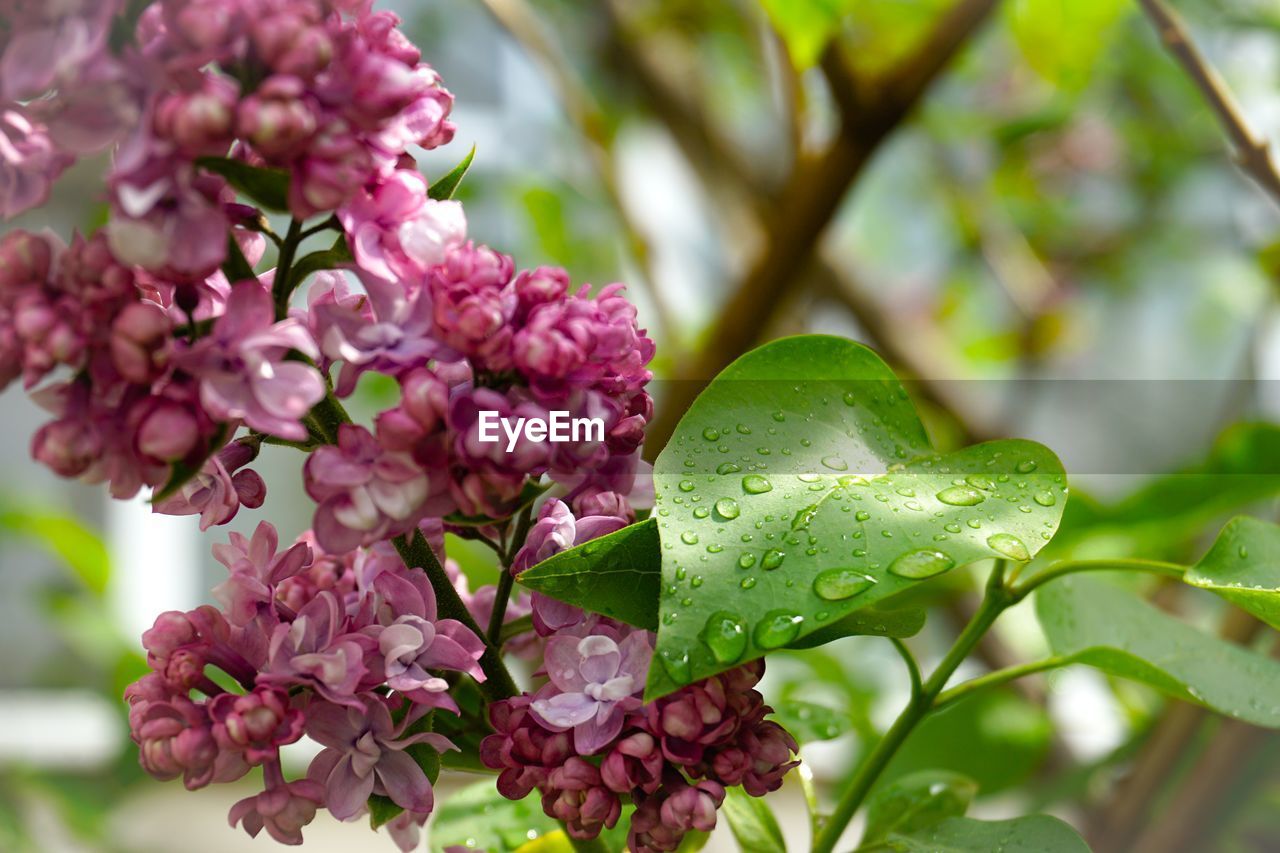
column 1071, row 567
column 416, row 552
column 282, row 286
column 913, row 668
column 994, row 602
column 996, row 678
column 499, row 614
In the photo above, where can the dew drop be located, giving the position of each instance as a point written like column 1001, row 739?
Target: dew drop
column 839, row 584
column 772, row 559
column 850, row 398
column 754, row 484
column 924, row 563
column 1045, row 498
column 714, row 549
column 779, row 416
column 1026, row 466
column 960, row 496
column 1008, row 545
column 746, row 561
column 835, row 463
column 676, row 663
column 701, row 512
column 711, row 434
column 743, row 429
column 727, row 468
column 1243, row 552
column 747, row 583
column 689, row 537
column 980, row 481
column 686, row 485
column 951, row 527
column 861, row 515
column 696, row 581
column 777, row 628
column 726, row 635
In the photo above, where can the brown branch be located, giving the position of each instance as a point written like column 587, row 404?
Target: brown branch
column 810, row 200
column 1187, row 821
column 580, row 107
column 1252, row 153
column 1117, row 826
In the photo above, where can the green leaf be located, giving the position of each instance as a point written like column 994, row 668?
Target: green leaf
column 382, row 810
column 444, row 188
column 480, row 818
column 1030, row 834
column 78, row 546
column 752, row 823
column 1243, row 566
column 335, row 257
column 1090, row 621
column 617, row 575
column 266, row 187
column 806, row 26
column 236, row 267
column 808, row 721
column 800, row 487
column 872, row 622
column 1062, row 40
column 917, row 801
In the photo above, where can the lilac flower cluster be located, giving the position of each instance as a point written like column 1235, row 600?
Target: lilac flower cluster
column 588, row 744
column 354, row 665
column 167, row 361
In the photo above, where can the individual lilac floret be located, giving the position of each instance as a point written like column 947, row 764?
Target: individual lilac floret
column 576, row 795
column 283, row 810
column 365, row 754
column 388, row 331
column 243, row 370
column 365, row 492
column 218, row 489
column 255, row 724
column 29, row 163
column 255, row 569
column 594, row 681
column 414, row 642
column 316, row 650
column 396, row 231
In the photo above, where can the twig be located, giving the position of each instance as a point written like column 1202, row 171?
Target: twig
column 809, row 202
column 518, row 19
column 1252, row 153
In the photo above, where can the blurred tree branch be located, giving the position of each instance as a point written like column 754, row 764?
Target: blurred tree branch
column 518, row 19
column 1252, row 152
column 811, row 197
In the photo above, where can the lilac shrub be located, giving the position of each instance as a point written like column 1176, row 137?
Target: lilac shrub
column 166, row 361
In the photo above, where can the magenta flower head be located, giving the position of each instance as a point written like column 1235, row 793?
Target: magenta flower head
column 243, row 370
column 474, row 306
column 576, row 795
column 365, row 754
column 522, row 749
column 29, row 163
column 594, row 682
column 365, row 492
column 396, row 231
column 175, row 739
column 255, row 724
column 283, row 810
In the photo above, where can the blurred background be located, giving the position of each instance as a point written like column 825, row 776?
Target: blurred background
column 1026, row 206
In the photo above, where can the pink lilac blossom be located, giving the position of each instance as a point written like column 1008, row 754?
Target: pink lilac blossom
column 244, row 370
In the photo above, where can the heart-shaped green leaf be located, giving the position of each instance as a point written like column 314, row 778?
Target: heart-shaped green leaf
column 1035, row 833
column 617, row 575
column 1243, row 566
column 917, row 801
column 800, row 487
column 1090, row 621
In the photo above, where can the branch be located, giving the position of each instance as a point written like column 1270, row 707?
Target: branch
column 810, row 200
column 522, row 24
column 1252, row 153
